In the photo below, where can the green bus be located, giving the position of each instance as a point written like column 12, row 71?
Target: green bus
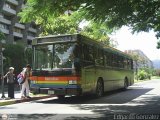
column 75, row 64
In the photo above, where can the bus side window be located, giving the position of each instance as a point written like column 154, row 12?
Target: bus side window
column 131, row 64
column 120, row 62
column 113, row 60
column 99, row 58
column 88, row 55
column 77, row 54
column 125, row 63
column 108, row 58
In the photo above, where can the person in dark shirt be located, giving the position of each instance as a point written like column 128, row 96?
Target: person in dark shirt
column 10, row 82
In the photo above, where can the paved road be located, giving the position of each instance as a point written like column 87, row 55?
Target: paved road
column 140, row 101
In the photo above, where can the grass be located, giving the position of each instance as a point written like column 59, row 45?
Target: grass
column 136, row 81
column 153, row 77
column 7, row 103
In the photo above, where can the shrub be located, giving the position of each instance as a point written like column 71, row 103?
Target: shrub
column 142, row 75
column 14, row 56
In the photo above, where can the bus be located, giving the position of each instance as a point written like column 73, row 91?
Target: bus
column 74, row 64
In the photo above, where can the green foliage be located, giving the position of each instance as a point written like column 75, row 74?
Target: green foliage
column 140, row 15
column 28, row 56
column 2, row 36
column 14, row 56
column 142, row 75
column 145, row 73
column 66, row 23
column 97, row 31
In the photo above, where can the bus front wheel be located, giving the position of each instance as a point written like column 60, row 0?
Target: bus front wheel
column 99, row 88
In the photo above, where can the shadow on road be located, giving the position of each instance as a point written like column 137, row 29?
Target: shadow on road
column 114, row 97
column 134, row 101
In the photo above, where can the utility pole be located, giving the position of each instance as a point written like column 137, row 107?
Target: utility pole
column 2, row 74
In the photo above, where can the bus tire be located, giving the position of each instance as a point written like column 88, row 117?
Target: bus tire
column 61, row 97
column 99, row 88
column 125, row 83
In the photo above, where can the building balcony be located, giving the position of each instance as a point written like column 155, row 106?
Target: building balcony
column 4, row 31
column 15, row 2
column 32, row 30
column 30, row 37
column 9, row 10
column 21, row 26
column 1, row 15
column 18, row 34
column 3, row 20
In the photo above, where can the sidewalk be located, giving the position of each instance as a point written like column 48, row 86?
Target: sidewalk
column 19, row 100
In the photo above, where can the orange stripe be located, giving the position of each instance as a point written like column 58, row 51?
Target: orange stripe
column 54, row 78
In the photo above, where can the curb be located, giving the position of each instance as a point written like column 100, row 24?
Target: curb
column 23, row 100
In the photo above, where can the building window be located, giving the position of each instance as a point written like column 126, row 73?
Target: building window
column 31, row 34
column 29, row 42
column 8, row 5
column 33, row 25
column 17, row 30
column 7, row 17
column 4, row 26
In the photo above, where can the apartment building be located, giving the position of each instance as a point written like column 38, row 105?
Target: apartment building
column 142, row 59
column 10, row 25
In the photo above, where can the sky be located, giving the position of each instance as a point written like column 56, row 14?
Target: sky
column 146, row 42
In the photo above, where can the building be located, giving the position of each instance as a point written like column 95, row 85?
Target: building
column 9, row 23
column 140, row 59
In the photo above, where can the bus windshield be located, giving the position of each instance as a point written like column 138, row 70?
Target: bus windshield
column 59, row 55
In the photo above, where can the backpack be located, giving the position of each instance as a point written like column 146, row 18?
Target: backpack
column 21, row 77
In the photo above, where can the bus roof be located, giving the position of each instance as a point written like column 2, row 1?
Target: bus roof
column 60, row 35
column 74, row 37
column 105, row 47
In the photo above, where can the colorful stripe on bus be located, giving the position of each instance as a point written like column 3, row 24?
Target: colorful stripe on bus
column 55, row 82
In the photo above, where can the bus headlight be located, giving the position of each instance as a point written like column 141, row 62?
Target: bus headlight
column 33, row 82
column 71, row 82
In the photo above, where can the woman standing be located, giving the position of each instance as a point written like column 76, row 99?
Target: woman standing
column 10, row 82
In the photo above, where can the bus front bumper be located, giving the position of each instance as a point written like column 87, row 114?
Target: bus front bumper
column 67, row 91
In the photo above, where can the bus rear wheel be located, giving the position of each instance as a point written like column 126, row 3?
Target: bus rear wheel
column 99, row 88
column 125, row 83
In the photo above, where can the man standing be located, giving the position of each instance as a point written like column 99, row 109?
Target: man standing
column 25, row 85
column 10, row 82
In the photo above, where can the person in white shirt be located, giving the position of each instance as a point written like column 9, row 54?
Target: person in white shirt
column 25, row 85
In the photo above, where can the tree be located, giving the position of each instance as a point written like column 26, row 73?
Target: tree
column 2, row 36
column 97, row 32
column 68, row 23
column 140, row 15
column 14, row 56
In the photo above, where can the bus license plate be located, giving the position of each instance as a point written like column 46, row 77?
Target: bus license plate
column 50, row 92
